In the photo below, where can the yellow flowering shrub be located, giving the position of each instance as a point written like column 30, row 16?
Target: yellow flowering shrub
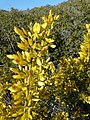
column 73, row 78
column 31, row 74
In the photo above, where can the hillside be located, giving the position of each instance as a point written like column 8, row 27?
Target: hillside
column 68, row 31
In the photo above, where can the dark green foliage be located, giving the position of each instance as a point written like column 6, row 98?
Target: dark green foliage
column 69, row 29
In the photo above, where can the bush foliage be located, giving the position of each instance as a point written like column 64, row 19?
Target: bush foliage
column 52, row 66
column 40, row 91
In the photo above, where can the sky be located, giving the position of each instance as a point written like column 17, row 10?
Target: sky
column 26, row 4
